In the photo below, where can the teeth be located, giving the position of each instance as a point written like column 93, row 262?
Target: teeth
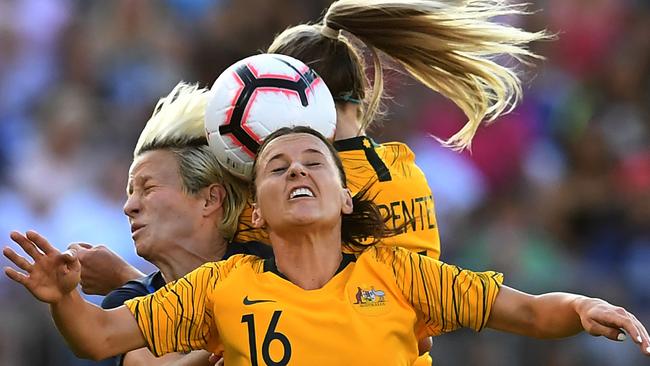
column 301, row 192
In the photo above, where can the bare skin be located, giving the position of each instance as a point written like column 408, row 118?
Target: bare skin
column 348, row 124
column 102, row 270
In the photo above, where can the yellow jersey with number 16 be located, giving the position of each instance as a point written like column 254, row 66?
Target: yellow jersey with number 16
column 370, row 313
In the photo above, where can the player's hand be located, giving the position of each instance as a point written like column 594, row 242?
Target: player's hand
column 51, row 276
column 216, row 359
column 102, row 270
column 600, row 318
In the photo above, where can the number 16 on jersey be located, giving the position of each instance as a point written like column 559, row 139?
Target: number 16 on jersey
column 269, row 337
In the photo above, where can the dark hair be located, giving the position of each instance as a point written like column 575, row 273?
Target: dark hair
column 337, row 61
column 365, row 225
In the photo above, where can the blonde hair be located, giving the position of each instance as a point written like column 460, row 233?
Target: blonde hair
column 177, row 125
column 449, row 46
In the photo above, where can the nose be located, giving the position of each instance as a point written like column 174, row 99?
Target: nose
column 297, row 170
column 131, row 206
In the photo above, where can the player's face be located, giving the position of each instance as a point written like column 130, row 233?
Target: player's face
column 298, row 184
column 161, row 214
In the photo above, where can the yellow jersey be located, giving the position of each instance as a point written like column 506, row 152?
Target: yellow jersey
column 372, row 312
column 396, row 185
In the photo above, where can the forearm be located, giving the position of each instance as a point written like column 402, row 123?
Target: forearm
column 143, row 357
column 558, row 315
column 194, row 358
column 106, row 281
column 129, row 273
column 92, row 332
column 552, row 315
column 555, row 315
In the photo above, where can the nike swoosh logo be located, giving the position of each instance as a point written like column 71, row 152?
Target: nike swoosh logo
column 251, row 302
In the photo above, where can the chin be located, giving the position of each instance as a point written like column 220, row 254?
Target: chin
column 313, row 222
column 303, row 220
column 141, row 249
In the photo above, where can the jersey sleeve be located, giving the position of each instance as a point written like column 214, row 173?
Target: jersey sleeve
column 178, row 317
column 445, row 296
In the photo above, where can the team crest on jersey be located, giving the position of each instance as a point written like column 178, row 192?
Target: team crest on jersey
column 369, row 299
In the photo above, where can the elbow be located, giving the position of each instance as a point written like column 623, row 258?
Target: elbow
column 97, row 357
column 91, row 353
column 88, row 354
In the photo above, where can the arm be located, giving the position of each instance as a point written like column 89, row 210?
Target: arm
column 53, row 277
column 102, row 270
column 448, row 297
column 143, row 357
column 194, row 358
column 557, row 315
column 92, row 332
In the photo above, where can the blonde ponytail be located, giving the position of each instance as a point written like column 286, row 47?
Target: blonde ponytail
column 449, row 47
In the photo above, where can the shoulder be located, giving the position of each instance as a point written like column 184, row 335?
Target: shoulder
column 132, row 289
column 397, row 150
column 391, row 255
column 255, row 248
column 381, row 249
column 224, row 268
column 365, row 143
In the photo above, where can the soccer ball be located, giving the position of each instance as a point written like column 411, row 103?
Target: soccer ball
column 257, row 96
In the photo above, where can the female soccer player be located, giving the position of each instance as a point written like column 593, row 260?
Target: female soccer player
column 311, row 304
column 183, row 206
column 449, row 46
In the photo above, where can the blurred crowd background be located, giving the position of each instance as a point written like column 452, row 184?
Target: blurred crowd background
column 556, row 194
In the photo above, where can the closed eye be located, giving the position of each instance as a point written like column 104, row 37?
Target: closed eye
column 278, row 170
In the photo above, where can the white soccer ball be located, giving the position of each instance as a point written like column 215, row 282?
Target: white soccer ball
column 258, row 95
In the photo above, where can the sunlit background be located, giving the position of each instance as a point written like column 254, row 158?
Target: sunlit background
column 556, row 195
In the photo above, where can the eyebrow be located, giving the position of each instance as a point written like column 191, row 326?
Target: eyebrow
column 280, row 155
column 143, row 179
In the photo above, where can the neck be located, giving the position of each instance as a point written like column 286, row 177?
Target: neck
column 348, row 124
column 307, row 259
column 190, row 255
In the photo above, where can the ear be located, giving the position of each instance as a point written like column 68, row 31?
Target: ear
column 215, row 195
column 347, row 206
column 256, row 217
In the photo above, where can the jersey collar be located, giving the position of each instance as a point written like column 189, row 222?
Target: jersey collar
column 270, row 266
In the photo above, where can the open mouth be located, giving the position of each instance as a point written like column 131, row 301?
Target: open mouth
column 135, row 229
column 301, row 192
